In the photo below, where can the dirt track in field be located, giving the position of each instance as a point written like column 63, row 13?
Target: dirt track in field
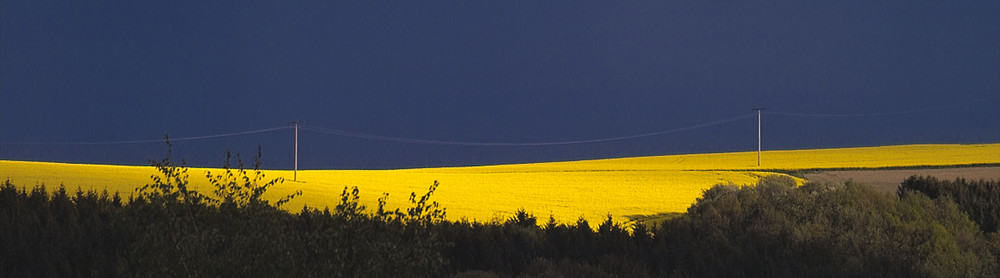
column 889, row 180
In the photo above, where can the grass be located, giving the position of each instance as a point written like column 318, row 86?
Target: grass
column 626, row 188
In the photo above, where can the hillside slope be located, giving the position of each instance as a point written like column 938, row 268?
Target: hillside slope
column 567, row 190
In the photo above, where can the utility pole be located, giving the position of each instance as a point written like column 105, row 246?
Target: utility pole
column 295, row 173
column 758, row 133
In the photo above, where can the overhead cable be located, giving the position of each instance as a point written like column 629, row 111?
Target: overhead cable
column 858, row 115
column 512, row 144
column 151, row 141
column 346, row 133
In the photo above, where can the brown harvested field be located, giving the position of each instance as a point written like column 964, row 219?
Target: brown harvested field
column 889, row 180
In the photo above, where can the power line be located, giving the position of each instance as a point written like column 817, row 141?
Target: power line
column 858, row 115
column 512, row 144
column 346, row 133
column 152, row 141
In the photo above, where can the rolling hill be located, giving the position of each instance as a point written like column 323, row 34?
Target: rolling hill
column 591, row 189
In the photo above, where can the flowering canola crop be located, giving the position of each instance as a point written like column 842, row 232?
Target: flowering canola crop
column 591, row 189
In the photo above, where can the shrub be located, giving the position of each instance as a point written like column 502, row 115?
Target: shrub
column 979, row 199
column 235, row 187
column 774, row 229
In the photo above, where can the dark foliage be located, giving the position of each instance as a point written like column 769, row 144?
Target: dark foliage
column 777, row 230
column 59, row 235
column 772, row 229
column 170, row 230
column 91, row 234
column 979, row 199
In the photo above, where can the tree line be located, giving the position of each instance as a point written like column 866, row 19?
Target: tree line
column 773, row 228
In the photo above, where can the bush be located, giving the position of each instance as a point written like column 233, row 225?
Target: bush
column 171, row 230
column 772, row 228
column 979, row 199
column 775, row 229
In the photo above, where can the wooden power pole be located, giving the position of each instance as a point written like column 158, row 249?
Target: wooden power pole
column 295, row 172
column 758, row 133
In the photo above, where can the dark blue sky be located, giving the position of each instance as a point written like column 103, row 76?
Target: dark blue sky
column 519, row 71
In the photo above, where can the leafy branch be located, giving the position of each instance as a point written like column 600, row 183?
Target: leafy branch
column 238, row 188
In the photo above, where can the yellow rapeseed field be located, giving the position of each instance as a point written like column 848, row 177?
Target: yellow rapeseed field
column 567, row 190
